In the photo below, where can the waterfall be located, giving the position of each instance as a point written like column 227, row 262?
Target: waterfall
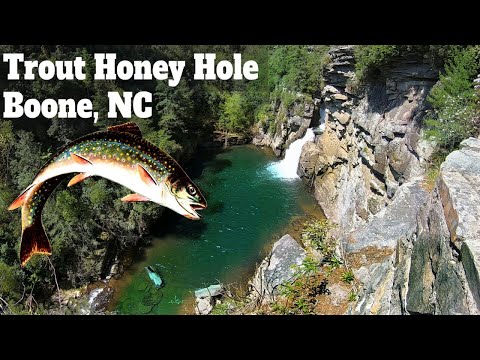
column 287, row 168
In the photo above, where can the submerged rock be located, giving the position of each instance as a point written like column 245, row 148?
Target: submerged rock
column 212, row 291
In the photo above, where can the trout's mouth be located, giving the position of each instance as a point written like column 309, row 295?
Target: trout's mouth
column 191, row 210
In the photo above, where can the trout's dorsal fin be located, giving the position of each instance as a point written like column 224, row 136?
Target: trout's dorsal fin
column 134, row 198
column 20, row 199
column 129, row 127
column 78, row 178
column 145, row 175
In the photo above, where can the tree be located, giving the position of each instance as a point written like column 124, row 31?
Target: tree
column 7, row 139
column 454, row 101
column 233, row 117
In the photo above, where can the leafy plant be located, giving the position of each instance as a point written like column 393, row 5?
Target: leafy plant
column 348, row 276
column 352, row 296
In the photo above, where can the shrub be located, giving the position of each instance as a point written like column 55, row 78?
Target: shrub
column 368, row 57
column 348, row 276
column 316, row 233
column 454, row 101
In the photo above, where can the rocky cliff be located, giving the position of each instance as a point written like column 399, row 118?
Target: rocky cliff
column 413, row 251
column 433, row 262
column 371, row 142
column 289, row 122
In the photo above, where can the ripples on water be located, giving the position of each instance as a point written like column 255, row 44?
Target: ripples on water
column 247, row 206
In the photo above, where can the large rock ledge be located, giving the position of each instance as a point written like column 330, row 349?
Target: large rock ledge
column 435, row 262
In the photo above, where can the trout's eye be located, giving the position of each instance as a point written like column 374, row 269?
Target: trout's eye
column 191, row 190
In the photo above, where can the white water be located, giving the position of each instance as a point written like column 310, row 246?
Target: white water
column 287, row 168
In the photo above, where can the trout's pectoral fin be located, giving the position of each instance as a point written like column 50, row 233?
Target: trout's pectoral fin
column 145, row 175
column 135, row 197
column 78, row 178
column 20, row 199
column 81, row 160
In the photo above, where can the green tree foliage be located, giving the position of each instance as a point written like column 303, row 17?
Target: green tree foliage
column 10, row 282
column 233, row 117
column 369, row 58
column 454, row 101
column 297, row 67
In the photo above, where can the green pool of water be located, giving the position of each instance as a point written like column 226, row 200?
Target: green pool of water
column 247, row 209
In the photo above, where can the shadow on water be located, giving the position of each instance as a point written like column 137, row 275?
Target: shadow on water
column 218, row 165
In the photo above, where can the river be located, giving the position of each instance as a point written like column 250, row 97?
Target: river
column 249, row 207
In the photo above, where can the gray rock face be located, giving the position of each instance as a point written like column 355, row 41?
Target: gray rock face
column 421, row 250
column 277, row 268
column 459, row 187
column 395, row 222
column 289, row 125
column 371, row 143
column 436, row 278
column 434, row 267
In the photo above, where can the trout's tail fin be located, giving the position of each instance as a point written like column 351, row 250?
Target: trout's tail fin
column 34, row 241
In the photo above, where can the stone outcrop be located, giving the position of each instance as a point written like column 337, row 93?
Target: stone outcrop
column 290, row 123
column 277, row 268
column 370, row 145
column 205, row 298
column 433, row 266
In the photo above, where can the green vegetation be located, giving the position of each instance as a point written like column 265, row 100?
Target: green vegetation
column 348, row 276
column 456, row 111
column 300, row 296
column 308, row 292
column 369, row 58
column 297, row 68
column 316, row 234
column 352, row 296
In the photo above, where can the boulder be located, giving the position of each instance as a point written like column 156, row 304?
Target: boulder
column 205, row 298
column 308, row 160
column 343, row 118
column 340, row 97
column 99, row 298
column 277, row 268
column 204, row 305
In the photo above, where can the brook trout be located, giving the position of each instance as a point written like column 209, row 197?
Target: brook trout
column 119, row 154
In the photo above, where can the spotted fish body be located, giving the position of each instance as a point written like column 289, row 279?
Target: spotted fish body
column 121, row 155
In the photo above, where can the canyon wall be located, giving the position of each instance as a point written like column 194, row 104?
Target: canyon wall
column 413, row 250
